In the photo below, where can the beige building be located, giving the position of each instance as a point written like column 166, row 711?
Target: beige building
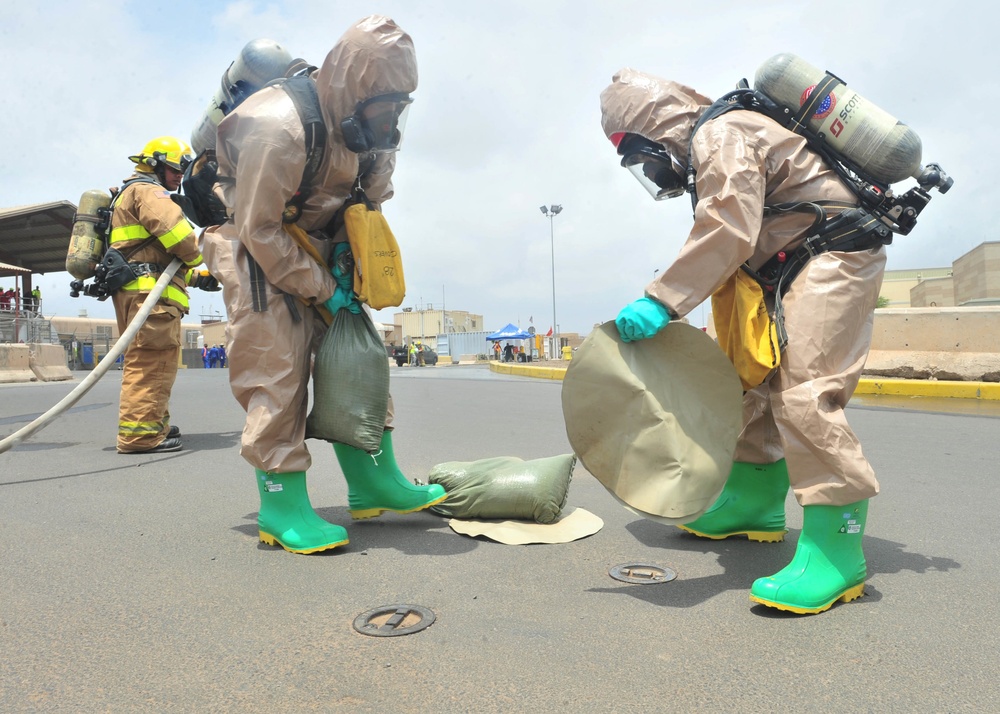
column 977, row 276
column 427, row 323
column 973, row 280
column 898, row 284
column 933, row 292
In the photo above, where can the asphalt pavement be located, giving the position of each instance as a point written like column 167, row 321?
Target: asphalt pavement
column 132, row 583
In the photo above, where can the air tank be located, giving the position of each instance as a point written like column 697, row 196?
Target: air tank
column 259, row 62
column 873, row 140
column 86, row 242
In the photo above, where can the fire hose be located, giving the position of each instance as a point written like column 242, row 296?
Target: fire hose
column 103, row 366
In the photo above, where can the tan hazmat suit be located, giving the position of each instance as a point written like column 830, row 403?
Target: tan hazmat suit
column 744, row 161
column 150, row 364
column 273, row 329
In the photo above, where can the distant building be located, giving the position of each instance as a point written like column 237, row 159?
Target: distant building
column 426, row 323
column 972, row 280
column 898, row 284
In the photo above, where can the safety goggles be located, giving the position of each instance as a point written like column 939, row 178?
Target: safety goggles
column 653, row 167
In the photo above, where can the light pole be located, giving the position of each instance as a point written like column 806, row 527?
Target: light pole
column 551, row 212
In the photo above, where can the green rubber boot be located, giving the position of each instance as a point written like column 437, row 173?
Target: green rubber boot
column 752, row 503
column 287, row 518
column 828, row 564
column 375, row 484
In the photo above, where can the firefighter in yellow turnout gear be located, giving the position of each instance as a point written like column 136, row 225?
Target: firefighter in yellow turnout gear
column 149, row 229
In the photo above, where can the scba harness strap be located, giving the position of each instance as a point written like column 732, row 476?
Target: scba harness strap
column 853, row 229
column 301, row 89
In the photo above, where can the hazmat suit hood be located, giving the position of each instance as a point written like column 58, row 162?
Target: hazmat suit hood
column 657, row 109
column 374, row 57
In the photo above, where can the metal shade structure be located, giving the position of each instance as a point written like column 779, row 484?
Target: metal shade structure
column 35, row 238
column 7, row 270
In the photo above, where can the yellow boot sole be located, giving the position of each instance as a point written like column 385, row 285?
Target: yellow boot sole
column 852, row 593
column 269, row 539
column 363, row 513
column 759, row 536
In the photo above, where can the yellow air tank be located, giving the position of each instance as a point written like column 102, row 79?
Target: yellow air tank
column 870, row 138
column 86, row 242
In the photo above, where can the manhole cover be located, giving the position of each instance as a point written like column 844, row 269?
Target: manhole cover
column 641, row 573
column 394, row 620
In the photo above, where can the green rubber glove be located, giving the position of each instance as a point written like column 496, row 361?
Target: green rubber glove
column 641, row 319
column 342, row 270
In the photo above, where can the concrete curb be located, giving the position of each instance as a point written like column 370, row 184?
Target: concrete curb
column 883, row 386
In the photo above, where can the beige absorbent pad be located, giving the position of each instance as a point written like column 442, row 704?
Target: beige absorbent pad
column 579, row 523
column 656, row 420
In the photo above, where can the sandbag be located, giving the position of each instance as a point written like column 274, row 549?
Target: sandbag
column 505, row 487
column 350, row 384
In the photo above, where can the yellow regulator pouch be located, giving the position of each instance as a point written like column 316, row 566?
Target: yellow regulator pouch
column 745, row 330
column 378, row 266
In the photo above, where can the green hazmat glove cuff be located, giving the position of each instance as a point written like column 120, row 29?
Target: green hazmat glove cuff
column 342, row 269
column 641, row 319
column 342, row 266
column 342, row 299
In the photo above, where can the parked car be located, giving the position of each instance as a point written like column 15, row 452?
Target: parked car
column 399, row 354
column 429, row 355
column 402, row 356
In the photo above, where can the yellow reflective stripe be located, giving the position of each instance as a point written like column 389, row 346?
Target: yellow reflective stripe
column 178, row 296
column 145, row 283
column 123, row 233
column 198, row 261
column 176, row 234
column 140, row 428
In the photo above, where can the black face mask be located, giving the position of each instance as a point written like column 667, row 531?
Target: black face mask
column 655, row 169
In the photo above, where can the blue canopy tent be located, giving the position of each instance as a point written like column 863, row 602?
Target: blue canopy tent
column 510, row 332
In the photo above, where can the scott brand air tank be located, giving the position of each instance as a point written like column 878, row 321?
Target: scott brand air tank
column 259, row 62
column 86, row 242
column 870, row 138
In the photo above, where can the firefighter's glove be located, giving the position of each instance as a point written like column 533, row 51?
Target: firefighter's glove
column 641, row 319
column 203, row 280
column 343, row 273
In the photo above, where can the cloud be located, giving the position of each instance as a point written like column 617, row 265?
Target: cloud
column 506, row 119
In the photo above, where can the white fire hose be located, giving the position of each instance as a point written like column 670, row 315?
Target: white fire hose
column 103, row 366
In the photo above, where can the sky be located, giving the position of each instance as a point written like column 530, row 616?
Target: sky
column 506, row 118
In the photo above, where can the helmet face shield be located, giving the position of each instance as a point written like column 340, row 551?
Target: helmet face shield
column 653, row 167
column 181, row 161
column 385, row 120
column 657, row 175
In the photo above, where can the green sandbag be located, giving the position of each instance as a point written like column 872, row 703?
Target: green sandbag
column 350, row 384
column 505, row 487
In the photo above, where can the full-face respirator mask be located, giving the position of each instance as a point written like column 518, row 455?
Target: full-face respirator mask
column 652, row 165
column 377, row 124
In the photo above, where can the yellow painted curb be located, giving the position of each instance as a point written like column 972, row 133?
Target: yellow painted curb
column 930, row 388
column 895, row 387
column 526, row 370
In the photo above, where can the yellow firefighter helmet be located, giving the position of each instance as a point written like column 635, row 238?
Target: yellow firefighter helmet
column 166, row 150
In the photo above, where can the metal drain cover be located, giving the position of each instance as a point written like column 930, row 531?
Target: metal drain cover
column 394, row 620
column 641, row 573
